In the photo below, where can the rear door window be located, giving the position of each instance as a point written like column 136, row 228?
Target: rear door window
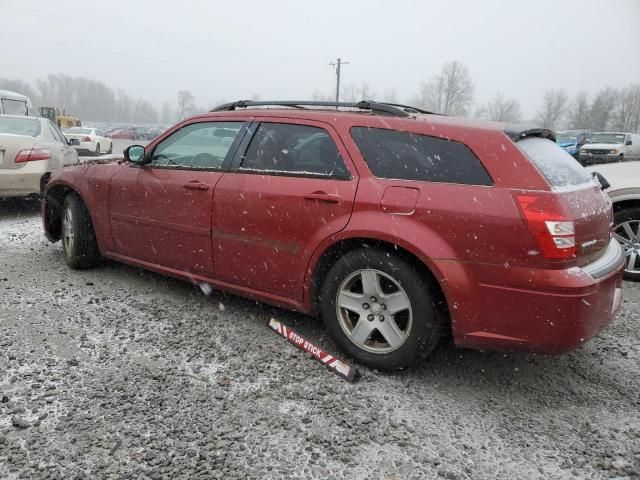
column 559, row 168
column 410, row 156
column 294, row 149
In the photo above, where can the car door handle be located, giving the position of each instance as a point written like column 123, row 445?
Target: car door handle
column 323, row 197
column 195, row 185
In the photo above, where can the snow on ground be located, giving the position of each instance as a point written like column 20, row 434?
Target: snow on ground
column 115, row 372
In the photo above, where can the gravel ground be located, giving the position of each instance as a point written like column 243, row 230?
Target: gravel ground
column 120, row 373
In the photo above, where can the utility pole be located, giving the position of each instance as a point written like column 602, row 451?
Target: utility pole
column 338, row 64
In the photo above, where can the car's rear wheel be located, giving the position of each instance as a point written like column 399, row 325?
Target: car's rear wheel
column 78, row 237
column 380, row 309
column 627, row 231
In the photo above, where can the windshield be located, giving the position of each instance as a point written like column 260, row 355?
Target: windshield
column 566, row 137
column 20, row 126
column 79, row 130
column 608, row 138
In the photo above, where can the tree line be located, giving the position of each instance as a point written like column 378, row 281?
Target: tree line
column 450, row 92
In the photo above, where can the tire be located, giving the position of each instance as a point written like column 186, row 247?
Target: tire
column 110, row 148
column 97, row 149
column 415, row 331
column 630, row 243
column 78, row 237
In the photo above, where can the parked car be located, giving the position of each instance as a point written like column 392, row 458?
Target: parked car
column 607, row 147
column 125, row 134
column 12, row 103
column 30, row 149
column 572, row 140
column 92, row 140
column 392, row 224
column 624, row 191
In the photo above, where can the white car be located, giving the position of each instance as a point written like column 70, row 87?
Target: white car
column 30, row 149
column 92, row 140
column 608, row 147
column 624, row 191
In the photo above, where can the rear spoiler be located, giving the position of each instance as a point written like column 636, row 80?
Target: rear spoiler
column 517, row 132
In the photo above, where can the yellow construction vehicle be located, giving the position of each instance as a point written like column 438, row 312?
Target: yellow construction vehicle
column 63, row 120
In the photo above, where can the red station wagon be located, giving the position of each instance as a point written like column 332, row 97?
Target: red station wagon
column 392, row 224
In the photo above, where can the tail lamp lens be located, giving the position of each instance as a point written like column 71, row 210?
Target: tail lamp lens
column 554, row 234
column 32, row 155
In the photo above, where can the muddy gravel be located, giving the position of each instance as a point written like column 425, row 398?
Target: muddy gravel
column 120, row 373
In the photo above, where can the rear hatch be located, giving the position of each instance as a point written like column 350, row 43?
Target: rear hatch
column 16, row 133
column 576, row 210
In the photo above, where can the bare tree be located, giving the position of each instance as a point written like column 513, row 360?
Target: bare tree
column 355, row 93
column 186, row 103
column 602, row 108
column 450, row 92
column 626, row 117
column 390, row 95
column 501, row 109
column 554, row 106
column 579, row 113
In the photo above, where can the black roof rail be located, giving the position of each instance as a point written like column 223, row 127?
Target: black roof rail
column 391, row 109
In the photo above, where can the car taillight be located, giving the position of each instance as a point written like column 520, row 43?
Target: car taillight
column 32, row 155
column 554, row 233
column 86, row 139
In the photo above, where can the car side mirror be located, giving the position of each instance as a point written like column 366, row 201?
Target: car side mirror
column 629, row 142
column 73, row 141
column 599, row 178
column 135, row 154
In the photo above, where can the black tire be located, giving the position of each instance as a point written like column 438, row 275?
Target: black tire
column 97, row 149
column 82, row 251
column 110, row 148
column 427, row 324
column 625, row 215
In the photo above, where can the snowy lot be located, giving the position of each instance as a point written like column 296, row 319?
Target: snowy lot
column 120, row 373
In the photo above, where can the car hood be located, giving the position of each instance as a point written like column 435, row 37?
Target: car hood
column 601, row 146
column 567, row 144
column 621, row 176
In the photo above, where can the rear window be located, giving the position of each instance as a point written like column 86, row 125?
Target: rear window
column 20, row 126
column 409, row 156
column 14, row 107
column 558, row 167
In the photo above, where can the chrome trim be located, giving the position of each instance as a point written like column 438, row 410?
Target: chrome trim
column 611, row 260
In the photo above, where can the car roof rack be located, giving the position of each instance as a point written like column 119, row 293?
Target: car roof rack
column 391, row 109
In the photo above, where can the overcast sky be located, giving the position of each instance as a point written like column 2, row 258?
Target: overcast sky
column 227, row 50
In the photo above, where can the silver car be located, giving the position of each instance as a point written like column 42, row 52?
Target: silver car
column 30, row 149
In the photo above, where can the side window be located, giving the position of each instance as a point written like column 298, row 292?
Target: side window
column 199, row 145
column 410, row 156
column 295, row 149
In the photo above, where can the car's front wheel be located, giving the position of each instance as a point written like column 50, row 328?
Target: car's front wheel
column 380, row 309
column 627, row 231
column 78, row 237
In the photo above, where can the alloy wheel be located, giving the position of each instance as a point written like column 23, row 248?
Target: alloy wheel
column 374, row 311
column 628, row 234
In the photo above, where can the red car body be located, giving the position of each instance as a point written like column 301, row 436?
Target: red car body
column 268, row 237
column 123, row 134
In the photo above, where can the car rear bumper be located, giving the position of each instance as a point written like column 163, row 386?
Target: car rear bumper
column 21, row 182
column 543, row 311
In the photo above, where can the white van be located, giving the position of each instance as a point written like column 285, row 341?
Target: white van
column 608, row 147
column 12, row 103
